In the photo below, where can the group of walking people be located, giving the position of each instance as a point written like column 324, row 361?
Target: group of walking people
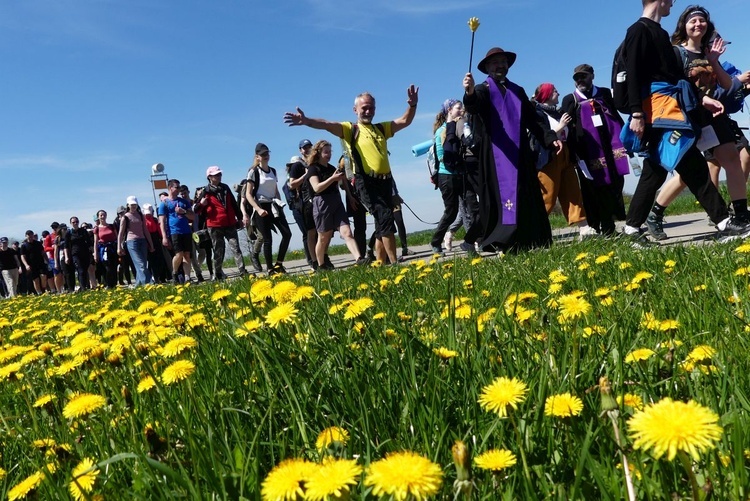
column 509, row 159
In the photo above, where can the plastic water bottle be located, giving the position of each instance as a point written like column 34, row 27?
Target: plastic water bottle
column 635, row 166
column 467, row 130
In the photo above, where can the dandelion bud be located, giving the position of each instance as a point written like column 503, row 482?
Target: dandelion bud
column 605, row 391
column 462, row 460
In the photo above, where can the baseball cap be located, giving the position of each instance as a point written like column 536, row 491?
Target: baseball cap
column 213, row 171
column 131, row 200
column 147, row 208
column 261, row 148
column 4, row 240
column 304, row 143
column 29, row 232
column 122, row 209
column 55, row 225
column 583, row 69
column 294, row 160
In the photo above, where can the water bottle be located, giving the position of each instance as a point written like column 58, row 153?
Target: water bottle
column 635, row 166
column 467, row 130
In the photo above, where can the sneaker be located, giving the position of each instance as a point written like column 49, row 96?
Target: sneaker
column 326, row 266
column 638, row 240
column 327, row 262
column 586, row 232
column 363, row 261
column 469, row 249
column 654, row 224
column 371, row 254
column 477, row 246
column 407, row 252
column 736, row 226
column 437, row 250
column 199, row 278
column 448, row 241
column 280, row 268
column 255, row 259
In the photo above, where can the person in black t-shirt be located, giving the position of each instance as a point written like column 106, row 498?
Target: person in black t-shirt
column 35, row 261
column 77, row 252
column 329, row 212
column 10, row 267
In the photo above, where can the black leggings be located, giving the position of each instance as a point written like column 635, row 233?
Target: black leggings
column 264, row 225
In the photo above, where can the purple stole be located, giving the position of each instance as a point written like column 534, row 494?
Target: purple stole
column 592, row 142
column 505, row 133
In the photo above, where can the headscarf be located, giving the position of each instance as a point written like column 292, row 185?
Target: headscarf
column 447, row 105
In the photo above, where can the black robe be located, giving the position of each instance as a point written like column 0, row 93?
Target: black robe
column 532, row 228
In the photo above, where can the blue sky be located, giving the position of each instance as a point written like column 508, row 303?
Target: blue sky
column 93, row 92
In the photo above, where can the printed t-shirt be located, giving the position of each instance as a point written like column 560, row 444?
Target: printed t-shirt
column 371, row 145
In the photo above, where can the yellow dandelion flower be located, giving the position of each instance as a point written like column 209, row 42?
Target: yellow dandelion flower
column 557, row 277
column 581, row 256
column 332, row 480
column 699, row 288
column 177, row 371
column 495, row 460
column 84, row 476
column 285, row 481
column 603, row 259
column 284, row 313
column 248, row 327
column 220, row 294
column 669, row 325
column 625, row 265
column 563, row 405
column 146, row 384
column 501, row 394
column 83, row 404
column 302, row 293
column 743, row 249
column 701, row 353
column 331, row 435
column 464, row 311
column 639, row 355
column 378, row 316
column 630, row 400
column 404, row 474
column 593, row 329
column 357, row 307
column 261, row 290
column 584, row 266
column 10, row 371
column 178, row 345
column 650, row 322
column 44, row 400
column 445, row 353
column 524, row 315
column 554, row 288
column 640, row 277
column 572, row 306
column 670, row 263
column 667, row 427
column 25, row 486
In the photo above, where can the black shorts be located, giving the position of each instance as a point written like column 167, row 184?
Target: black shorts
column 182, row 242
column 377, row 196
column 307, row 215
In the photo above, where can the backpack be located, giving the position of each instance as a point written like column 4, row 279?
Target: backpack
column 432, row 164
column 240, row 189
column 620, row 79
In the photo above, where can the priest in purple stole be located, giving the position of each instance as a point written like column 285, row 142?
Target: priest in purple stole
column 595, row 139
column 511, row 206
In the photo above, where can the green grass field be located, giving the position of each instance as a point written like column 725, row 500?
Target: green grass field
column 202, row 392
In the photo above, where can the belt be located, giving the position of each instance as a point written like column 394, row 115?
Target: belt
column 379, row 176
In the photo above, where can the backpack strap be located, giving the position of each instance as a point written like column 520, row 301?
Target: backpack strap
column 356, row 158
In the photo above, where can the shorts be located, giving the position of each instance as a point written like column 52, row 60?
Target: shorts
column 740, row 140
column 329, row 212
column 51, row 270
column 307, row 216
column 35, row 272
column 377, row 197
column 182, row 242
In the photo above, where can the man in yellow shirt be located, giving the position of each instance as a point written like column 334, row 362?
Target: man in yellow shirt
column 372, row 170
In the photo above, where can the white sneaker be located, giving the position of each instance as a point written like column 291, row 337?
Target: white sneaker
column 478, row 246
column 448, row 242
column 587, row 231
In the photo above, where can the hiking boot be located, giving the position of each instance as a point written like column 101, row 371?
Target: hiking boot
column 470, row 250
column 255, row 260
column 655, row 226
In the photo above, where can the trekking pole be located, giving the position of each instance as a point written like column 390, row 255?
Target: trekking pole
column 473, row 25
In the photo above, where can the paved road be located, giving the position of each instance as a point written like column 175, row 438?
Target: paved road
column 683, row 229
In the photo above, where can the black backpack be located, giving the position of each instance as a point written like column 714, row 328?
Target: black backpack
column 256, row 178
column 620, row 79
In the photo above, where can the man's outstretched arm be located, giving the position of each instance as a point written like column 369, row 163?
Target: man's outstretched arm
column 299, row 118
